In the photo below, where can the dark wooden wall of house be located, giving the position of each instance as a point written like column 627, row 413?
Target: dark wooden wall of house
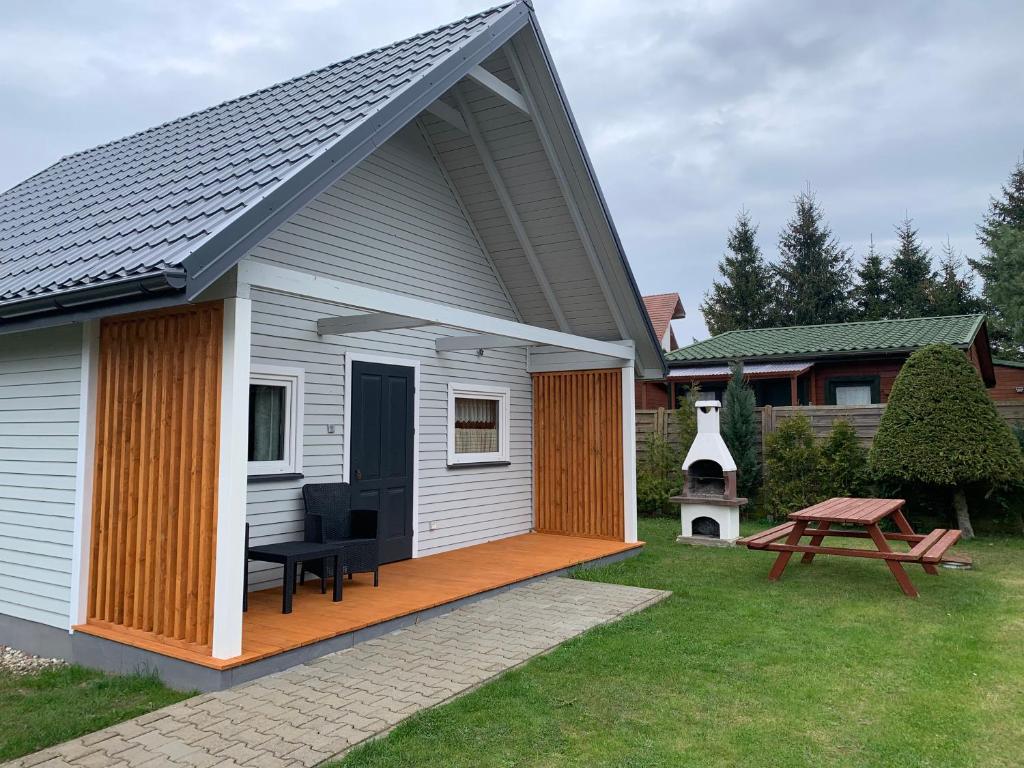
column 1008, row 378
column 886, row 370
column 651, row 395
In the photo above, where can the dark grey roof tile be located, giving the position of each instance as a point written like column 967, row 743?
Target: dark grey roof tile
column 141, row 204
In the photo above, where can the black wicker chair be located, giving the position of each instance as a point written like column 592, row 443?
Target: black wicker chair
column 330, row 517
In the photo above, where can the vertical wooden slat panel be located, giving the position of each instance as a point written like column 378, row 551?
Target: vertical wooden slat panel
column 578, row 462
column 155, row 490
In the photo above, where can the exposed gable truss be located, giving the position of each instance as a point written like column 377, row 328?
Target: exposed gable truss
column 496, row 86
column 510, row 210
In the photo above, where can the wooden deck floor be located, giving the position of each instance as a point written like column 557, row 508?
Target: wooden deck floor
column 405, row 587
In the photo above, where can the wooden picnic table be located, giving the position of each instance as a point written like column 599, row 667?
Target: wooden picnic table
column 926, row 550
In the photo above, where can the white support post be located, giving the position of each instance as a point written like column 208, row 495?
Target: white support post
column 84, row 465
column 629, row 453
column 231, row 488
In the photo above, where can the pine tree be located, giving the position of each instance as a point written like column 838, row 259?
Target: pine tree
column 814, row 272
column 739, row 430
column 744, row 297
column 953, row 292
column 871, row 291
column 911, row 277
column 996, row 233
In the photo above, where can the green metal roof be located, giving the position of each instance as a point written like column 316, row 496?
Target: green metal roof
column 834, row 339
column 1010, row 363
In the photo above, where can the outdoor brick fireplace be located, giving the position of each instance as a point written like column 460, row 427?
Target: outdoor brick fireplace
column 709, row 508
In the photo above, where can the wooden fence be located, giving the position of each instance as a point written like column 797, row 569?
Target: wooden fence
column 863, row 418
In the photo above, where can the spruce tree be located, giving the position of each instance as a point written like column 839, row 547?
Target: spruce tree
column 814, row 271
column 911, row 277
column 1004, row 291
column 1005, row 210
column 871, row 291
column 953, row 292
column 996, row 233
column 739, row 430
column 743, row 298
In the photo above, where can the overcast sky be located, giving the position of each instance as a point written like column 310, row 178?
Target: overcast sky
column 690, row 110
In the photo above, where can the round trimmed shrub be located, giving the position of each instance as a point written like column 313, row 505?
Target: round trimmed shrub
column 941, row 428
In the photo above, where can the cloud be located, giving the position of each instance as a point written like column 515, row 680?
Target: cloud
column 690, row 110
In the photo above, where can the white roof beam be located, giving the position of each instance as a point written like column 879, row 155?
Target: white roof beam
column 330, row 326
column 450, row 115
column 567, row 193
column 510, row 211
column 296, row 283
column 499, row 88
column 478, row 341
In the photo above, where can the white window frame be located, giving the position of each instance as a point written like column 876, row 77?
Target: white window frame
column 294, row 382
column 503, row 396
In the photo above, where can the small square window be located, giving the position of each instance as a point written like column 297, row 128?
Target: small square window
column 853, row 394
column 478, row 424
column 275, row 421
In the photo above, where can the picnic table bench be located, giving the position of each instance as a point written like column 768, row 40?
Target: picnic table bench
column 926, row 550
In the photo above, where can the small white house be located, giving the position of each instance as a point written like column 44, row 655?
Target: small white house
column 398, row 271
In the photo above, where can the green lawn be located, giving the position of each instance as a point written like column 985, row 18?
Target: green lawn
column 48, row 707
column 831, row 666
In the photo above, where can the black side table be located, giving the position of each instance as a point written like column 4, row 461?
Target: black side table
column 288, row 554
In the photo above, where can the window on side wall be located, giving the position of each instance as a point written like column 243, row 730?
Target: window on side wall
column 478, row 424
column 275, row 420
column 853, row 391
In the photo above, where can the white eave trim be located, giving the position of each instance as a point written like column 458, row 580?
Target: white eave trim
column 290, row 281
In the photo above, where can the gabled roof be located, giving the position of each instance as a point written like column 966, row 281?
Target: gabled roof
column 157, row 217
column 663, row 308
column 878, row 336
column 153, row 204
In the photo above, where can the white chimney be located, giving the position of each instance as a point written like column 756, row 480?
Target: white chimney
column 709, row 445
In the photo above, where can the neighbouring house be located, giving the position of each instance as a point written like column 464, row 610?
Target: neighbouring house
column 1009, row 384
column 662, row 308
column 397, row 271
column 837, row 364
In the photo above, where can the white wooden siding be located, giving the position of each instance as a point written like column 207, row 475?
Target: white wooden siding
column 394, row 224
column 40, row 380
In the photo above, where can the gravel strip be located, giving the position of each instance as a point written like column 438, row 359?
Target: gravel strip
column 15, row 662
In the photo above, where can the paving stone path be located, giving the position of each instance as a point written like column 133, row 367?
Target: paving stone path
column 318, row 711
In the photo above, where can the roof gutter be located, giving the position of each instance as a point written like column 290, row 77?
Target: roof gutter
column 123, row 289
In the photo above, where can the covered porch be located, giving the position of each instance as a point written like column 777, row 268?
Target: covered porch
column 162, row 551
column 409, row 589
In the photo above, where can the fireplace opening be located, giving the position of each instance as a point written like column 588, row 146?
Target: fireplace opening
column 705, row 526
column 705, row 478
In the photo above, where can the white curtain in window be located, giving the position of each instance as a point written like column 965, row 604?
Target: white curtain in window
column 266, row 423
column 853, row 394
column 476, row 425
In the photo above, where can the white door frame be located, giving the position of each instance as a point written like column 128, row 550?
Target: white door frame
column 406, row 362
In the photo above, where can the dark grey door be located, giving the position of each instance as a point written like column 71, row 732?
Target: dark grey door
column 381, row 451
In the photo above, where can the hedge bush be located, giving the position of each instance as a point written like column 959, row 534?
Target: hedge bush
column 844, row 462
column 793, row 468
column 659, row 476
